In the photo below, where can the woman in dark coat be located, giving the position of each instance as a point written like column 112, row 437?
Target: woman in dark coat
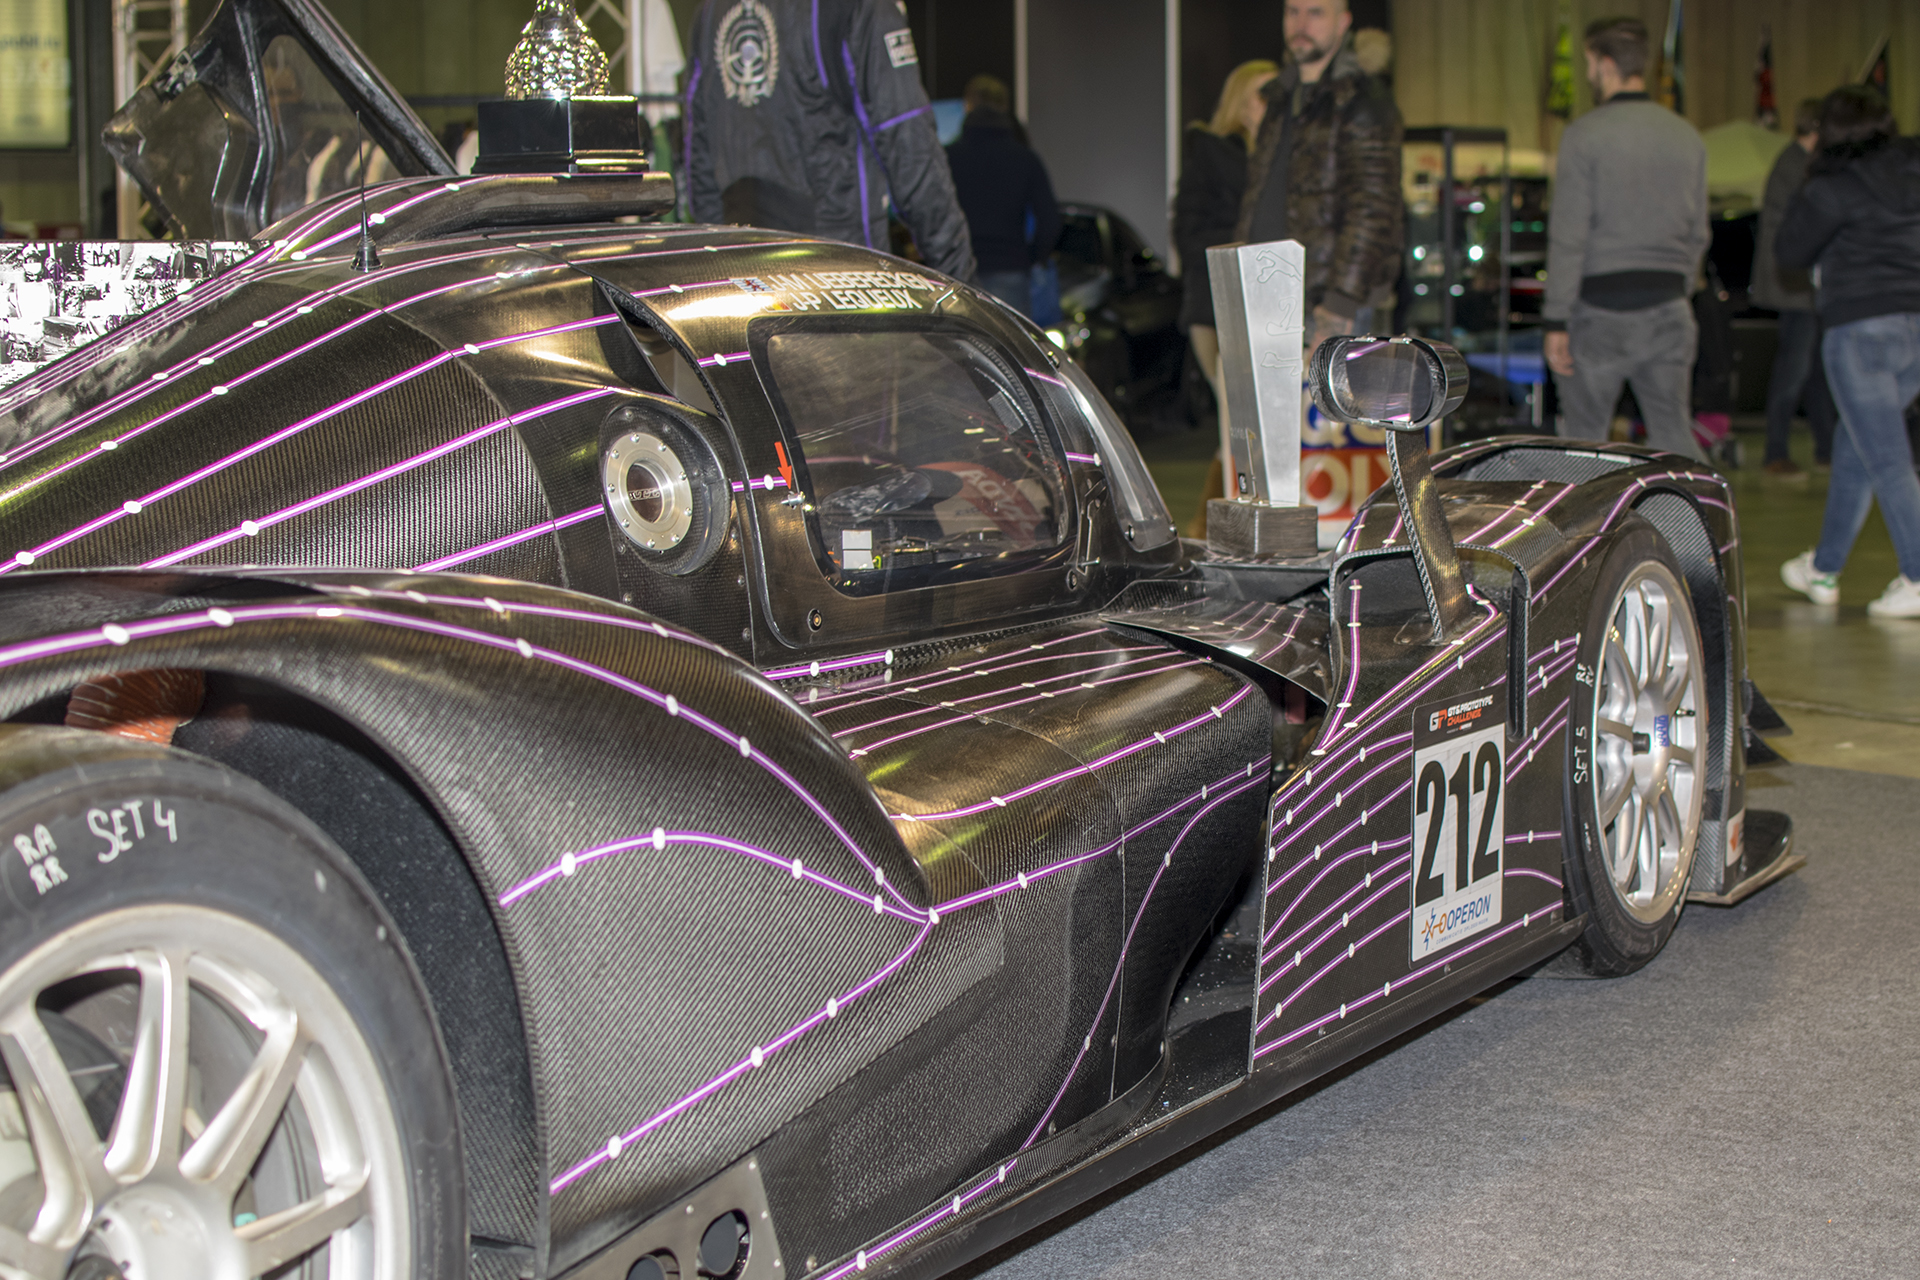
column 1857, row 220
column 1213, row 178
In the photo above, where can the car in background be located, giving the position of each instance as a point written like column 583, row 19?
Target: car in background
column 1120, row 314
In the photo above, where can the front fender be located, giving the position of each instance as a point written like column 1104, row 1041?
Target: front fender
column 1584, row 493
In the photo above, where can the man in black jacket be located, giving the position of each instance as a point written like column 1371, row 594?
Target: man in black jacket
column 1002, row 185
column 1326, row 172
column 804, row 115
column 1797, row 375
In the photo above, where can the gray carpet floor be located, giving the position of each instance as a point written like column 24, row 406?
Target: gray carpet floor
column 1747, row 1105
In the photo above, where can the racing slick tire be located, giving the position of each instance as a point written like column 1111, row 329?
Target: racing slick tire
column 1638, row 742
column 216, row 1057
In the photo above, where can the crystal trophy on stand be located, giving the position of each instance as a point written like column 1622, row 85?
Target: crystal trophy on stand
column 556, row 56
column 557, row 116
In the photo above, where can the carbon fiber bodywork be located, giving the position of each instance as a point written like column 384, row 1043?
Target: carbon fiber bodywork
column 932, row 910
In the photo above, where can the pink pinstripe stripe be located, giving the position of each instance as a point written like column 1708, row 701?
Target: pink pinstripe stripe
column 1112, row 757
column 1340, row 959
column 368, row 481
column 285, row 433
column 510, row 540
column 1153, row 653
column 971, row 716
column 865, row 1257
column 586, row 857
column 1361, row 1002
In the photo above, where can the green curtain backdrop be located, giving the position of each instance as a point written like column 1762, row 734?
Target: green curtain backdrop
column 444, row 46
column 1484, row 62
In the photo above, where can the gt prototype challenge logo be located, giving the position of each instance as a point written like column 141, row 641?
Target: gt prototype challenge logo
column 1460, row 713
column 747, row 50
column 1459, row 772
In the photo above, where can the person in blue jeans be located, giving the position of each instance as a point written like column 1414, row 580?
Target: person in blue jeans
column 1857, row 221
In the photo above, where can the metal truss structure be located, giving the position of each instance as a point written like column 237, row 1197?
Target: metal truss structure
column 146, row 36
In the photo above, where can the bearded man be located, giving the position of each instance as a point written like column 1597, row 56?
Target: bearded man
column 1326, row 171
column 1628, row 233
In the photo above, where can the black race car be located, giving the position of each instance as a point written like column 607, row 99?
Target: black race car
column 1120, row 314
column 559, row 747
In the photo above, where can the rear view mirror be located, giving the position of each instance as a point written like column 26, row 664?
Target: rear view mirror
column 1401, row 383
column 1404, row 385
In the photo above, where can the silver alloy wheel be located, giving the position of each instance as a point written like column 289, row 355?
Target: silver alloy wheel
column 252, row 1128
column 1648, row 734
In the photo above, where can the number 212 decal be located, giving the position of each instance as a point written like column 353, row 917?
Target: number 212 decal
column 1459, row 766
column 1485, row 768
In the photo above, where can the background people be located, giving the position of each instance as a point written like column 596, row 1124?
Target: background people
column 1373, row 50
column 1791, row 294
column 1206, row 208
column 1626, row 239
column 1003, row 190
column 803, row 115
column 1325, row 171
column 1858, row 220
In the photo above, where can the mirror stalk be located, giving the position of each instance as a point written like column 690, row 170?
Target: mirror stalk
column 1403, row 386
column 1441, row 578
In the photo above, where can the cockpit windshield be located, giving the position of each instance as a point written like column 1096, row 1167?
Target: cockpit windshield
column 322, row 149
column 923, row 459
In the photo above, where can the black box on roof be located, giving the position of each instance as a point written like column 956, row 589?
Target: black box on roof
column 561, row 135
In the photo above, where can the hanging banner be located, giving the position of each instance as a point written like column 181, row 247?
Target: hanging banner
column 36, row 75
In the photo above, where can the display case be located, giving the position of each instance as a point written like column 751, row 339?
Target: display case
column 1476, row 255
column 1457, row 182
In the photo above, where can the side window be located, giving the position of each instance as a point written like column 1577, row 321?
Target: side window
column 923, row 458
column 1143, row 511
column 322, row 149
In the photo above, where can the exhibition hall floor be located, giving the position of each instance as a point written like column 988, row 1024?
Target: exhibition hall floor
column 1742, row 1107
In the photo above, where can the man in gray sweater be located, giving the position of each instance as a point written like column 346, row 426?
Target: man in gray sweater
column 1628, row 233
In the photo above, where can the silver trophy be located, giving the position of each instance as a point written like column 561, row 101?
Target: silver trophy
column 1259, row 297
column 556, row 56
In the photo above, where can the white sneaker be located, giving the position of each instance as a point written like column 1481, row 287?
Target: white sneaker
column 1901, row 599
column 1823, row 588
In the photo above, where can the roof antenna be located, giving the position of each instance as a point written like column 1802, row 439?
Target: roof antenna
column 368, row 257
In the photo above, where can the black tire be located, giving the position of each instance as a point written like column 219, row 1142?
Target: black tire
column 223, row 882
column 1630, row 917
